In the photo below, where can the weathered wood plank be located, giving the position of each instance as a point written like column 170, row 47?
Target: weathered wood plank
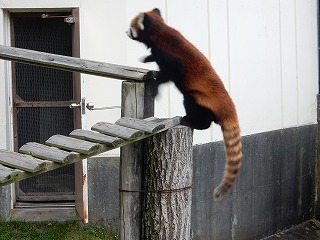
column 45, row 152
column 117, row 130
column 73, row 144
column 7, row 173
column 21, row 161
column 96, row 137
column 167, row 122
column 140, row 124
column 75, row 64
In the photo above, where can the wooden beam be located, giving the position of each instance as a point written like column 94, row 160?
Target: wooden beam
column 136, row 103
column 75, row 64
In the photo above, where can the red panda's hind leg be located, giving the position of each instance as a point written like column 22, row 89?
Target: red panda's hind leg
column 197, row 117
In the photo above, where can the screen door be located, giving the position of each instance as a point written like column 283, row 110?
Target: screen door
column 41, row 99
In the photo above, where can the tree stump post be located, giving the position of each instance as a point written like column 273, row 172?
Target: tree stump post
column 166, row 203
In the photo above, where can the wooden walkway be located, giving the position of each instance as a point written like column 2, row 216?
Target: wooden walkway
column 58, row 151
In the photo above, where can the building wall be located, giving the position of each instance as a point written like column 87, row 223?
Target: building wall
column 265, row 52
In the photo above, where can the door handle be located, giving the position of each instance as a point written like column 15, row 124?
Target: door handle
column 90, row 106
column 81, row 105
column 75, row 105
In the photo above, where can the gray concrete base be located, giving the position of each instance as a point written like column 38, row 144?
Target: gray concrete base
column 60, row 214
column 309, row 230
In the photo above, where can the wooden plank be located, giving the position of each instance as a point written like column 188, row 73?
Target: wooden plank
column 140, row 124
column 96, row 137
column 167, row 122
column 20, row 161
column 73, row 144
column 75, row 64
column 117, row 130
column 7, row 173
column 45, row 152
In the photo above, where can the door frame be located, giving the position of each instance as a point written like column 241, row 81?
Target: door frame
column 81, row 183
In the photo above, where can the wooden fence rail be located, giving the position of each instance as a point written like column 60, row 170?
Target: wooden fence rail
column 75, row 64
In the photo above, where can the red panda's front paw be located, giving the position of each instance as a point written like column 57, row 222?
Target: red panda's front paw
column 185, row 122
column 152, row 87
column 147, row 59
column 154, row 91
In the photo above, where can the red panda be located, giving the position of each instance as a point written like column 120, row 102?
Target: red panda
column 205, row 97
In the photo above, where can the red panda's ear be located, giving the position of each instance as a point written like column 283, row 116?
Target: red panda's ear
column 157, row 11
column 140, row 21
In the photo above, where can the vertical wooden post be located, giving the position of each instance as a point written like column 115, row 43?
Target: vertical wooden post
column 136, row 103
column 167, row 182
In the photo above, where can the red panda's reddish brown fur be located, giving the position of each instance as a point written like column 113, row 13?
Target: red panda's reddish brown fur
column 203, row 90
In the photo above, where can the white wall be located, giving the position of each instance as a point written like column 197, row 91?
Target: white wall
column 265, row 51
column 3, row 98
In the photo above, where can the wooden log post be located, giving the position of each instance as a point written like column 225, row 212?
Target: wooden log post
column 136, row 103
column 167, row 184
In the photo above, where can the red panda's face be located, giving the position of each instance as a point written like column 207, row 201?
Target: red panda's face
column 136, row 27
column 142, row 24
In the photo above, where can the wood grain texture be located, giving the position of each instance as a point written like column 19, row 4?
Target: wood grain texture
column 21, row 161
column 7, row 173
column 167, row 168
column 50, row 153
column 96, row 137
column 136, row 103
column 117, row 130
column 167, row 122
column 73, row 144
column 140, row 124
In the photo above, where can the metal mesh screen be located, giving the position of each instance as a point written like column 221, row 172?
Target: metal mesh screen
column 43, row 84
column 38, row 124
column 35, row 83
column 46, row 35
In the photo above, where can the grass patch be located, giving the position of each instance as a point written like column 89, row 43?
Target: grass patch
column 52, row 230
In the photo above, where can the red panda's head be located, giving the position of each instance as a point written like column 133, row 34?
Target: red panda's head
column 142, row 24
